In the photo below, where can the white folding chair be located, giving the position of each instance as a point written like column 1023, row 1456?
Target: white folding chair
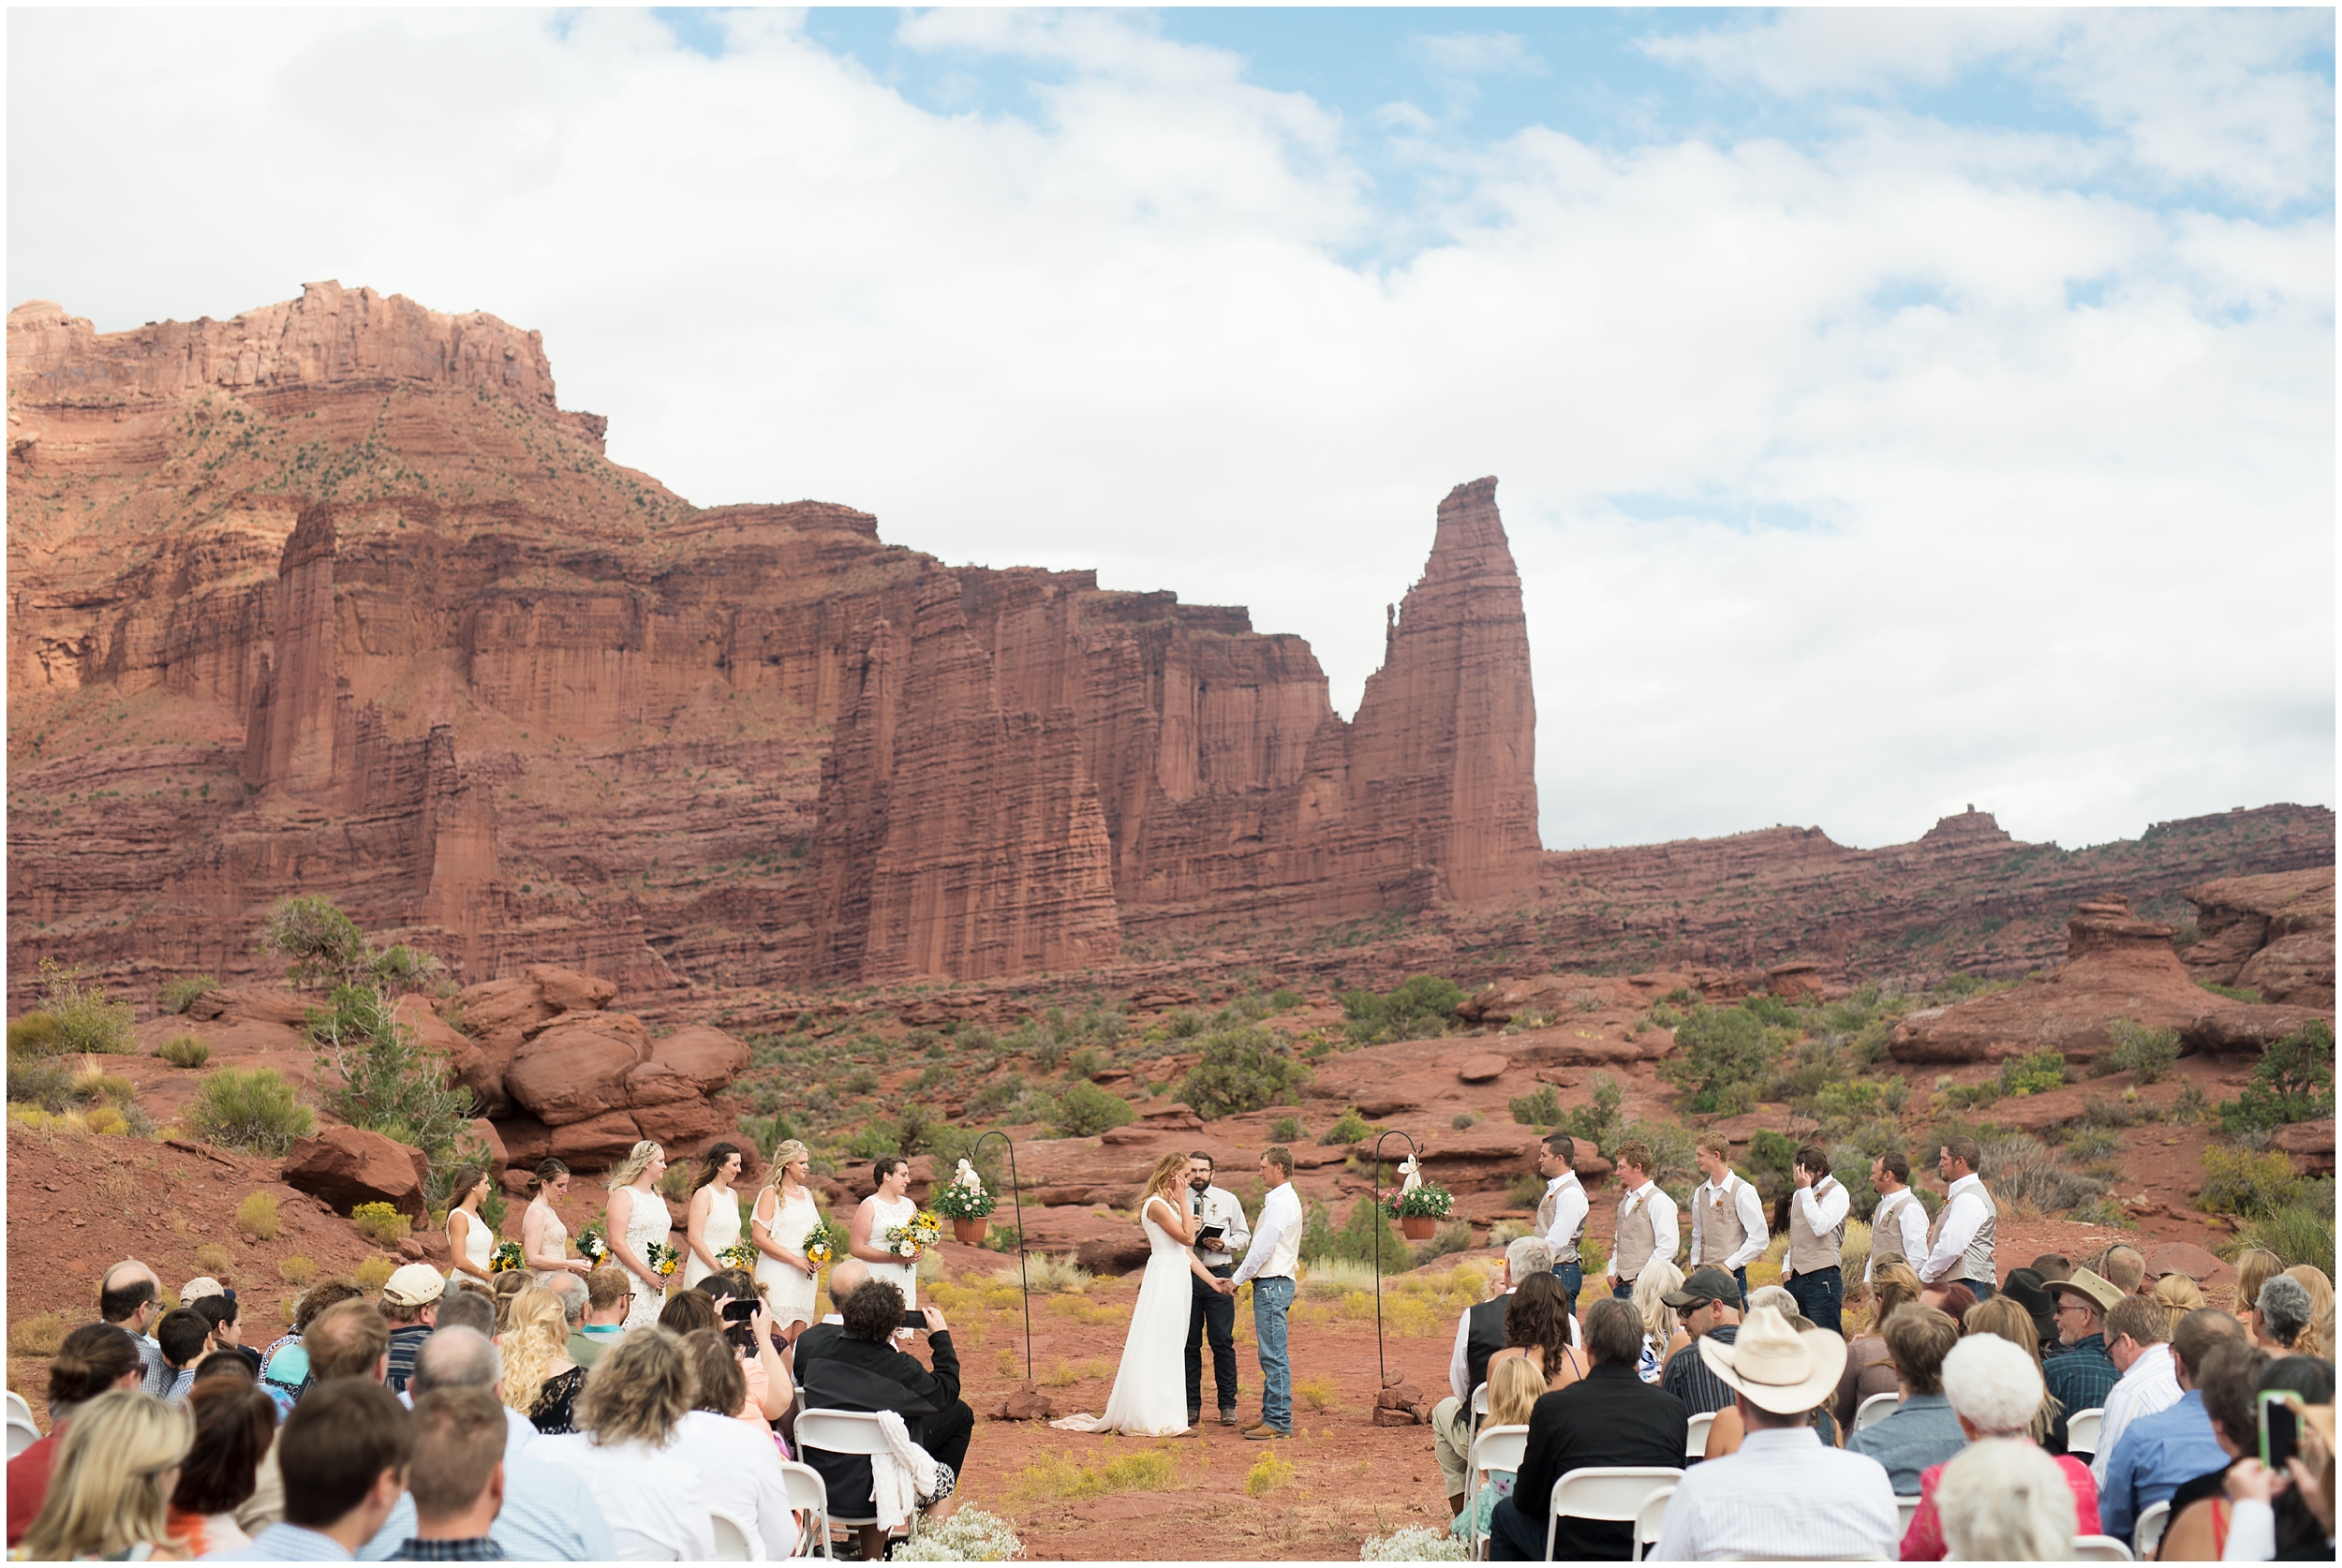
column 841, row 1431
column 2081, row 1430
column 1494, row 1448
column 1910, row 1508
column 22, row 1432
column 809, row 1494
column 2099, row 1549
column 1611, row 1493
column 1695, row 1435
column 2149, row 1535
column 1874, row 1408
column 735, row 1540
column 1648, row 1522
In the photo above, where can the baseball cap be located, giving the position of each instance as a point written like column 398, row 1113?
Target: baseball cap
column 1702, row 1286
column 414, row 1285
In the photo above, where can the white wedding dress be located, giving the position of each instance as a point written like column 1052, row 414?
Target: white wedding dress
column 1150, row 1397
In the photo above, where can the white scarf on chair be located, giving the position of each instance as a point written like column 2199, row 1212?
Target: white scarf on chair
column 900, row 1476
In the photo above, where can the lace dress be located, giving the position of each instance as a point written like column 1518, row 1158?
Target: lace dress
column 646, row 1223
column 1150, row 1397
column 722, row 1230
column 788, row 1291
column 885, row 1217
column 551, row 1242
column 555, row 1410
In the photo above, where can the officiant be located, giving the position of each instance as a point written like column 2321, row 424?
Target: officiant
column 1210, row 1312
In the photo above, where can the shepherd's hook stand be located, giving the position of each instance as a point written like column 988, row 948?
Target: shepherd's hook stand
column 1017, row 1194
column 1381, row 1372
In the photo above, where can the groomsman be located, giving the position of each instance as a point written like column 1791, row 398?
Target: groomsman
column 1899, row 1224
column 1211, row 1312
column 1646, row 1221
column 1960, row 1244
column 1818, row 1211
column 1727, row 1218
column 1562, row 1213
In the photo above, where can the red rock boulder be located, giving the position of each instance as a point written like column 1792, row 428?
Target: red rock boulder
column 567, row 991
column 2272, row 933
column 577, row 1067
column 347, row 1166
column 706, row 1059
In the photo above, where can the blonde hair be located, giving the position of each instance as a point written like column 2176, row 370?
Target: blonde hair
column 1659, row 1320
column 637, row 1391
column 1169, row 1172
column 2314, row 1340
column 2177, row 1295
column 1892, row 1285
column 1515, row 1387
column 108, row 1493
column 785, row 1153
column 637, row 1161
column 2005, row 1319
column 2255, row 1265
column 535, row 1333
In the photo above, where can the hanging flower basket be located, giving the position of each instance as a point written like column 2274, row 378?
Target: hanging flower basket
column 1418, row 1227
column 969, row 1233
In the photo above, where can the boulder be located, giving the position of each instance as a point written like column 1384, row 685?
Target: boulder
column 503, row 1013
column 596, row 1143
column 706, row 1059
column 2297, row 970
column 1118, row 1253
column 655, row 1083
column 567, row 991
column 526, row 1140
column 576, row 1068
column 2271, row 932
column 345, row 1166
column 683, row 1126
column 485, row 1130
column 2310, row 1144
column 2238, row 1028
column 251, row 1004
column 2189, row 1259
column 1024, row 1403
column 1173, row 1118
column 1484, row 1067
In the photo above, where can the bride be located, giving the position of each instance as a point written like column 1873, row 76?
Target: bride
column 1150, row 1397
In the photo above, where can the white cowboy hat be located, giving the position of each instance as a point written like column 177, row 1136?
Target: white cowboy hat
column 1779, row 1368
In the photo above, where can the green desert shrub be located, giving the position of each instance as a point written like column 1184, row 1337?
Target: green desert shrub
column 176, row 994
column 2300, row 1233
column 1242, row 1070
column 2144, row 1053
column 2037, row 1073
column 251, row 1109
column 2023, row 1170
column 86, row 1022
column 257, row 1216
column 1422, row 1009
column 1287, row 1129
column 320, row 942
column 1085, row 1110
column 43, row 1081
column 184, row 1051
column 33, row 1035
column 1723, row 1055
column 380, row 1223
column 1541, row 1109
column 1348, row 1128
column 2239, row 1181
column 2293, row 1081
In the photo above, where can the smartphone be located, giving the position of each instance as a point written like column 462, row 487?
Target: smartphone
column 2280, row 1427
column 913, row 1318
column 739, row 1311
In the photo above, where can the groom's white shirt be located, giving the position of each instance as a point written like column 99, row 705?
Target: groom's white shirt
column 1217, row 1205
column 1277, row 1243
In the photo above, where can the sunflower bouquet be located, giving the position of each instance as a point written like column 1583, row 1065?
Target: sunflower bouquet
column 913, row 1236
column 740, row 1254
column 506, row 1258
column 824, row 1243
column 662, row 1258
column 591, row 1247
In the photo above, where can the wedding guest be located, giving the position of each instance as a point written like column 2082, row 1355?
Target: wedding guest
column 2234, row 1374
column 110, row 1494
column 1922, row 1430
column 1662, row 1330
column 1725, row 1431
column 1268, row 1265
column 131, row 1298
column 1784, row 1493
column 1610, row 1417
column 1953, row 1301
column 1961, row 1246
column 2317, row 1339
column 1995, row 1390
column 544, row 1239
column 1646, row 1220
column 2028, row 1287
column 1868, row 1368
column 1562, row 1212
column 2138, row 1342
column 234, row 1425
column 284, row 1364
column 2178, row 1296
column 1479, row 1335
column 1817, row 1213
column 2004, row 1317
column 861, row 1371
column 2159, row 1451
column 455, row 1478
column 349, row 1340
column 845, row 1276
column 539, row 1378
column 765, row 1365
column 711, row 1215
column 570, row 1291
column 2005, row 1501
column 1538, row 1327
column 94, row 1360
column 410, row 1305
column 344, row 1454
column 225, row 1318
column 1211, row 1314
column 224, row 1364
column 2082, row 1375
column 609, row 1296
column 462, row 1309
column 655, row 1503
column 2125, row 1268
column 1898, row 1223
column 1727, row 1217
column 2053, row 1267
column 508, row 1284
column 2280, row 1312
column 185, row 1337
column 1515, row 1387
column 737, row 1463
column 1706, row 1306
column 2255, row 1266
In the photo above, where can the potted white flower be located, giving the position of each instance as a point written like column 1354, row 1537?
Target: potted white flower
column 966, row 1204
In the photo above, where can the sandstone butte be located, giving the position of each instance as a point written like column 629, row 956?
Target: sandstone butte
column 335, row 597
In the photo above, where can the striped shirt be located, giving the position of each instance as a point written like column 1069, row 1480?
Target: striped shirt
column 1785, row 1494
column 284, row 1543
column 1688, row 1378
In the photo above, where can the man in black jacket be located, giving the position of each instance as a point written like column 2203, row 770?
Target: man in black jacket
column 861, row 1371
column 1609, row 1417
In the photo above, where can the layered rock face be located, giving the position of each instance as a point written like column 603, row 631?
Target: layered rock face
column 2273, row 934
column 335, row 597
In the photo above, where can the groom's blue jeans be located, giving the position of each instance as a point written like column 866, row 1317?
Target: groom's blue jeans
column 1270, row 1297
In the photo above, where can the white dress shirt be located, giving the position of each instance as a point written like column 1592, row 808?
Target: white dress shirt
column 1826, row 1211
column 1217, row 1205
column 740, row 1469
column 1650, row 1195
column 1277, row 1243
column 1913, row 1223
column 2150, row 1385
column 1963, row 1211
column 1785, row 1494
column 1743, row 1198
column 1570, row 1209
column 654, row 1502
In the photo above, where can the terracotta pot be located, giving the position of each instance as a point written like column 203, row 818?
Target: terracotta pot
column 969, row 1233
column 1418, row 1227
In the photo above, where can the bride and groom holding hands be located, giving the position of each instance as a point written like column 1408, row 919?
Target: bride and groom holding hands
column 1192, row 1275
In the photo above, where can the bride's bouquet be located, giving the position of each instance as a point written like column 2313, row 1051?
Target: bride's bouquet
column 506, row 1258
column 662, row 1258
column 740, row 1254
column 921, row 1230
column 591, row 1247
column 824, row 1242
column 964, row 1196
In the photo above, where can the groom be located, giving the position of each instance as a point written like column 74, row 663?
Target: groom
column 1268, row 1262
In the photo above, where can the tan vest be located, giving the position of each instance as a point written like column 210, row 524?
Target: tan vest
column 1887, row 1230
column 1976, row 1262
column 1565, row 1247
column 1810, row 1253
column 1638, row 1239
column 1721, row 1233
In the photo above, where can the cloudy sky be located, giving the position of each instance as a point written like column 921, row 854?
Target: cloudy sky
column 1895, row 409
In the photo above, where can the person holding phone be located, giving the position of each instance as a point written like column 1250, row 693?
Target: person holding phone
column 861, row 1371
column 1222, row 1235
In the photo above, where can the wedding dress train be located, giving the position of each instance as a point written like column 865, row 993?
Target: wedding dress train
column 1150, row 1397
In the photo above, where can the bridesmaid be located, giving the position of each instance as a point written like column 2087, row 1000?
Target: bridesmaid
column 711, row 1220
column 470, row 1241
column 880, row 1212
column 544, row 1239
column 636, row 1218
column 785, row 1215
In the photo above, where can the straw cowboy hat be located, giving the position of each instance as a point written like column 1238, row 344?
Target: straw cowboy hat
column 1779, row 1368
column 2101, row 1294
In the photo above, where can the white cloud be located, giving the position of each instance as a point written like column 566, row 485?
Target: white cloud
column 2071, row 562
